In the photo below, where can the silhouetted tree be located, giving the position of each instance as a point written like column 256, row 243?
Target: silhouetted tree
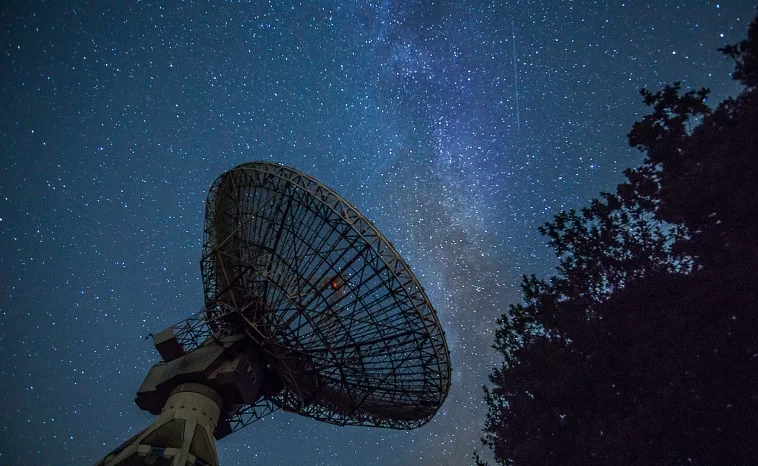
column 643, row 349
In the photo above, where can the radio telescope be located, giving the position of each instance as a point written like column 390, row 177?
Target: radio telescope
column 308, row 309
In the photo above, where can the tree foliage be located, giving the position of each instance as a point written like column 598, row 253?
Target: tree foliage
column 643, row 349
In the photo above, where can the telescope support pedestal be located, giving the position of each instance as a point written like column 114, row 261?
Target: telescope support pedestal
column 181, row 436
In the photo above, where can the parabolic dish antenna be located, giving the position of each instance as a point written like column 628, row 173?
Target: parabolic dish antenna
column 308, row 308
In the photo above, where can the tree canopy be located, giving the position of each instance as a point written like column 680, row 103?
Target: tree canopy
column 643, row 348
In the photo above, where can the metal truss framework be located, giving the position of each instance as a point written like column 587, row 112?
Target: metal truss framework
column 338, row 314
column 193, row 333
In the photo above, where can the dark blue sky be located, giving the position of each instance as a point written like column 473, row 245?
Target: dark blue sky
column 114, row 121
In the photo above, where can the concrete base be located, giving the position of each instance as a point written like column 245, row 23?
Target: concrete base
column 181, row 436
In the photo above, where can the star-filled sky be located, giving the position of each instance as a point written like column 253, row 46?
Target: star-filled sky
column 457, row 127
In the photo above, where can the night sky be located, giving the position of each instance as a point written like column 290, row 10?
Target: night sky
column 114, row 122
